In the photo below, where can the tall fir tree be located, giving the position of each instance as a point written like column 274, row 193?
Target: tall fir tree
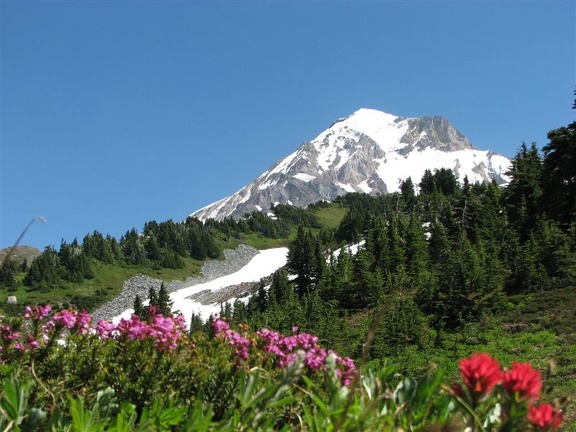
column 524, row 192
column 559, row 175
column 163, row 301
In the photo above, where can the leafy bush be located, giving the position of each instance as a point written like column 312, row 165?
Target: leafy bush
column 60, row 371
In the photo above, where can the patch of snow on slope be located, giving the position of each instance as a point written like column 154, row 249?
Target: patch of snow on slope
column 282, row 166
column 351, row 249
column 268, row 183
column 262, row 265
column 379, row 126
column 384, row 129
column 246, row 197
column 331, row 150
column 363, row 185
column 304, row 177
column 395, row 168
column 346, row 187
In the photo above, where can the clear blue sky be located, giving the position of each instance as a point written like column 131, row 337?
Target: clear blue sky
column 115, row 113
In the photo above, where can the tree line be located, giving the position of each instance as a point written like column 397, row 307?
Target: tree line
column 158, row 245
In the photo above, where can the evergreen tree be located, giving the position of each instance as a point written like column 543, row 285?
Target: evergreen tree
column 280, row 287
column 196, row 324
column 163, row 301
column 402, row 324
column 395, row 244
column 367, row 286
column 139, row 309
column 171, row 259
column 427, row 183
column 44, row 272
column 559, row 175
column 152, row 249
column 196, row 246
column 524, row 192
column 260, row 298
column 467, row 282
column 8, row 271
column 377, row 244
column 301, row 261
column 445, row 181
column 350, row 228
column 408, row 194
column 152, row 299
column 416, row 254
column 338, row 283
column 132, row 247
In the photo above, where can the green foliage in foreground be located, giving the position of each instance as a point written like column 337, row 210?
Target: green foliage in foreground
column 59, row 372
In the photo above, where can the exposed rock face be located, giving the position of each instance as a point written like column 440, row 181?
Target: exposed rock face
column 433, row 132
column 20, row 253
column 370, row 152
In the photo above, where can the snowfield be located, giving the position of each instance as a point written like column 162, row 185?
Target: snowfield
column 262, row 265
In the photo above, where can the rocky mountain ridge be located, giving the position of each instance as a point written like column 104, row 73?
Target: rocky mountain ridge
column 369, row 151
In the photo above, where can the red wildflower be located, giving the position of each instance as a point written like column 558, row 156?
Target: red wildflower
column 544, row 417
column 480, row 373
column 522, row 381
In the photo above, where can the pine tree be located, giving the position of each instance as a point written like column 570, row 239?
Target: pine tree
column 132, row 247
column 408, row 194
column 524, row 192
column 377, row 244
column 44, row 272
column 367, row 286
column 280, row 287
column 163, row 301
column 8, row 271
column 139, row 309
column 559, row 175
column 401, row 325
column 416, row 254
column 427, row 183
column 395, row 244
column 445, row 181
column 301, row 261
column 153, row 252
column 196, row 324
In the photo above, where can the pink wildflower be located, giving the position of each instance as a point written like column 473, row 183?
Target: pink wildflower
column 307, row 341
column 240, row 343
column 347, row 371
column 220, row 326
column 18, row 346
column 82, row 323
column 315, row 359
column 37, row 312
column 7, row 334
column 105, row 329
column 65, row 318
column 133, row 328
column 166, row 331
column 32, row 343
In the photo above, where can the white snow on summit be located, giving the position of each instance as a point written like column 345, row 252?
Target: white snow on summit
column 369, row 151
column 386, row 129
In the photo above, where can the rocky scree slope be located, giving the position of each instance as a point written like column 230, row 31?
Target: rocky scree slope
column 140, row 285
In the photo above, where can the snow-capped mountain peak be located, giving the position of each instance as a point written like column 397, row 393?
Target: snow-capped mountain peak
column 369, row 151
